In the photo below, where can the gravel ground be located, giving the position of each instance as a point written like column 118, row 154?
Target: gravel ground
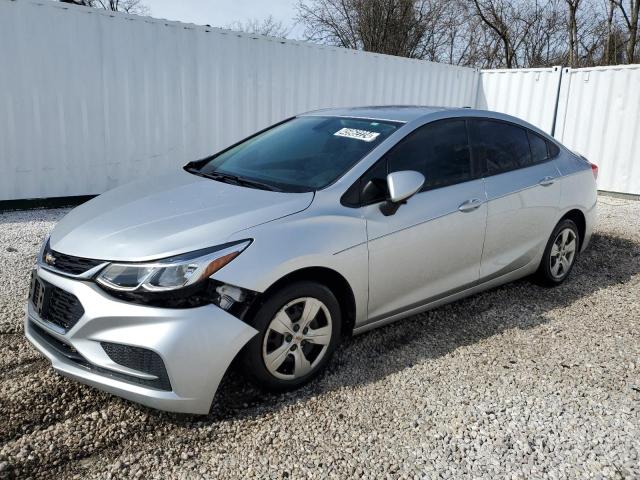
column 517, row 382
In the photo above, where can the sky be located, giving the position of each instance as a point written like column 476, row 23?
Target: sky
column 219, row 13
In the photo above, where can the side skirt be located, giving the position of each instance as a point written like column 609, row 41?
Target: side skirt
column 465, row 292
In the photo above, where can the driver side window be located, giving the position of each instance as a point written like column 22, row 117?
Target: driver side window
column 439, row 150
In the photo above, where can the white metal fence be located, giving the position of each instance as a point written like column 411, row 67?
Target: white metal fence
column 530, row 94
column 595, row 111
column 91, row 99
column 599, row 117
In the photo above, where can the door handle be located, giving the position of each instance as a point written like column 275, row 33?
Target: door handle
column 470, row 205
column 546, row 181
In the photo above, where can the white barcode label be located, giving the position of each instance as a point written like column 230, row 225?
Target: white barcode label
column 364, row 135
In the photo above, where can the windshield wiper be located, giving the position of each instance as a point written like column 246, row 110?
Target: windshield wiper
column 254, row 183
column 233, row 179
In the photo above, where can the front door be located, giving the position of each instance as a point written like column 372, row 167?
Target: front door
column 431, row 246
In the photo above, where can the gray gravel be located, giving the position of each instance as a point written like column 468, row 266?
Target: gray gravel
column 518, row 382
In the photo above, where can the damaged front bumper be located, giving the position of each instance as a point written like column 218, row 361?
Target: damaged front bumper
column 169, row 359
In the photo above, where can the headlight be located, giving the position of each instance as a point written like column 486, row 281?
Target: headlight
column 171, row 273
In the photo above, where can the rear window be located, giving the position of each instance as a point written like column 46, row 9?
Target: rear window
column 554, row 151
column 539, row 151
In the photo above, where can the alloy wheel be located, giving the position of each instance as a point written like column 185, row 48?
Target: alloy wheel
column 563, row 253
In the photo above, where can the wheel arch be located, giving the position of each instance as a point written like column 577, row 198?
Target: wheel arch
column 328, row 277
column 578, row 217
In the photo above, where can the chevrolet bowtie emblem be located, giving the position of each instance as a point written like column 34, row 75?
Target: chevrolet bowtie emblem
column 49, row 259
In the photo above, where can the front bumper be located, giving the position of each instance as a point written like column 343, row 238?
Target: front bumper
column 196, row 345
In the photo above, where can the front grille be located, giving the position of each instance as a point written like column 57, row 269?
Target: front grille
column 55, row 305
column 64, row 308
column 72, row 354
column 68, row 263
column 140, row 359
column 37, row 292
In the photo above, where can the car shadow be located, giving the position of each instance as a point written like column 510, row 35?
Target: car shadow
column 369, row 357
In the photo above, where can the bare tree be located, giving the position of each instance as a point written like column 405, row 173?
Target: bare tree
column 592, row 42
column 398, row 27
column 544, row 44
column 494, row 15
column 609, row 46
column 513, row 24
column 128, row 6
column 630, row 16
column 615, row 44
column 395, row 27
column 330, row 22
column 484, row 33
column 269, row 27
column 572, row 28
column 446, row 37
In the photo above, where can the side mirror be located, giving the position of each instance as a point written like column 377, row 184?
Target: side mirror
column 401, row 185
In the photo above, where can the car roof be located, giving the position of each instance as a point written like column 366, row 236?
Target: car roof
column 407, row 113
column 396, row 113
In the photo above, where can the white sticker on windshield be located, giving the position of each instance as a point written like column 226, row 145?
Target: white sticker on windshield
column 363, row 135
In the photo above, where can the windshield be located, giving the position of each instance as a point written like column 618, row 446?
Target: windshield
column 300, row 155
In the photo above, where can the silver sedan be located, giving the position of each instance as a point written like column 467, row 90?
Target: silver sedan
column 324, row 225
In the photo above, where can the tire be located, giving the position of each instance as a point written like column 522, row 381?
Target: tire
column 560, row 254
column 275, row 358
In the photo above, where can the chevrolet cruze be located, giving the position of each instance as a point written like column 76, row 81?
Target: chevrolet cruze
column 324, row 225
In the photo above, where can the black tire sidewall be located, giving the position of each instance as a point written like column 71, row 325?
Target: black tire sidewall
column 252, row 361
column 544, row 272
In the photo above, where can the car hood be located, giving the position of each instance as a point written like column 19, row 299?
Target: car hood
column 166, row 215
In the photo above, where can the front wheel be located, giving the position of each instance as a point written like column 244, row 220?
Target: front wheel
column 559, row 255
column 299, row 328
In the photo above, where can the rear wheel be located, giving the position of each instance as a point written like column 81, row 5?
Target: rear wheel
column 560, row 254
column 299, row 329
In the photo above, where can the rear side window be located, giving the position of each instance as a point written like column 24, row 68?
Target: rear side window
column 554, row 151
column 438, row 150
column 539, row 151
column 498, row 146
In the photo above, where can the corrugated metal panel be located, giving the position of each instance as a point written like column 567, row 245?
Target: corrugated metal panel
column 529, row 94
column 91, row 99
column 599, row 117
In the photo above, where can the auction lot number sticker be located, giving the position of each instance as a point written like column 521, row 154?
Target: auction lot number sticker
column 364, row 135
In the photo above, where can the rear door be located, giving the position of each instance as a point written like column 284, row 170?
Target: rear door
column 432, row 245
column 523, row 193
